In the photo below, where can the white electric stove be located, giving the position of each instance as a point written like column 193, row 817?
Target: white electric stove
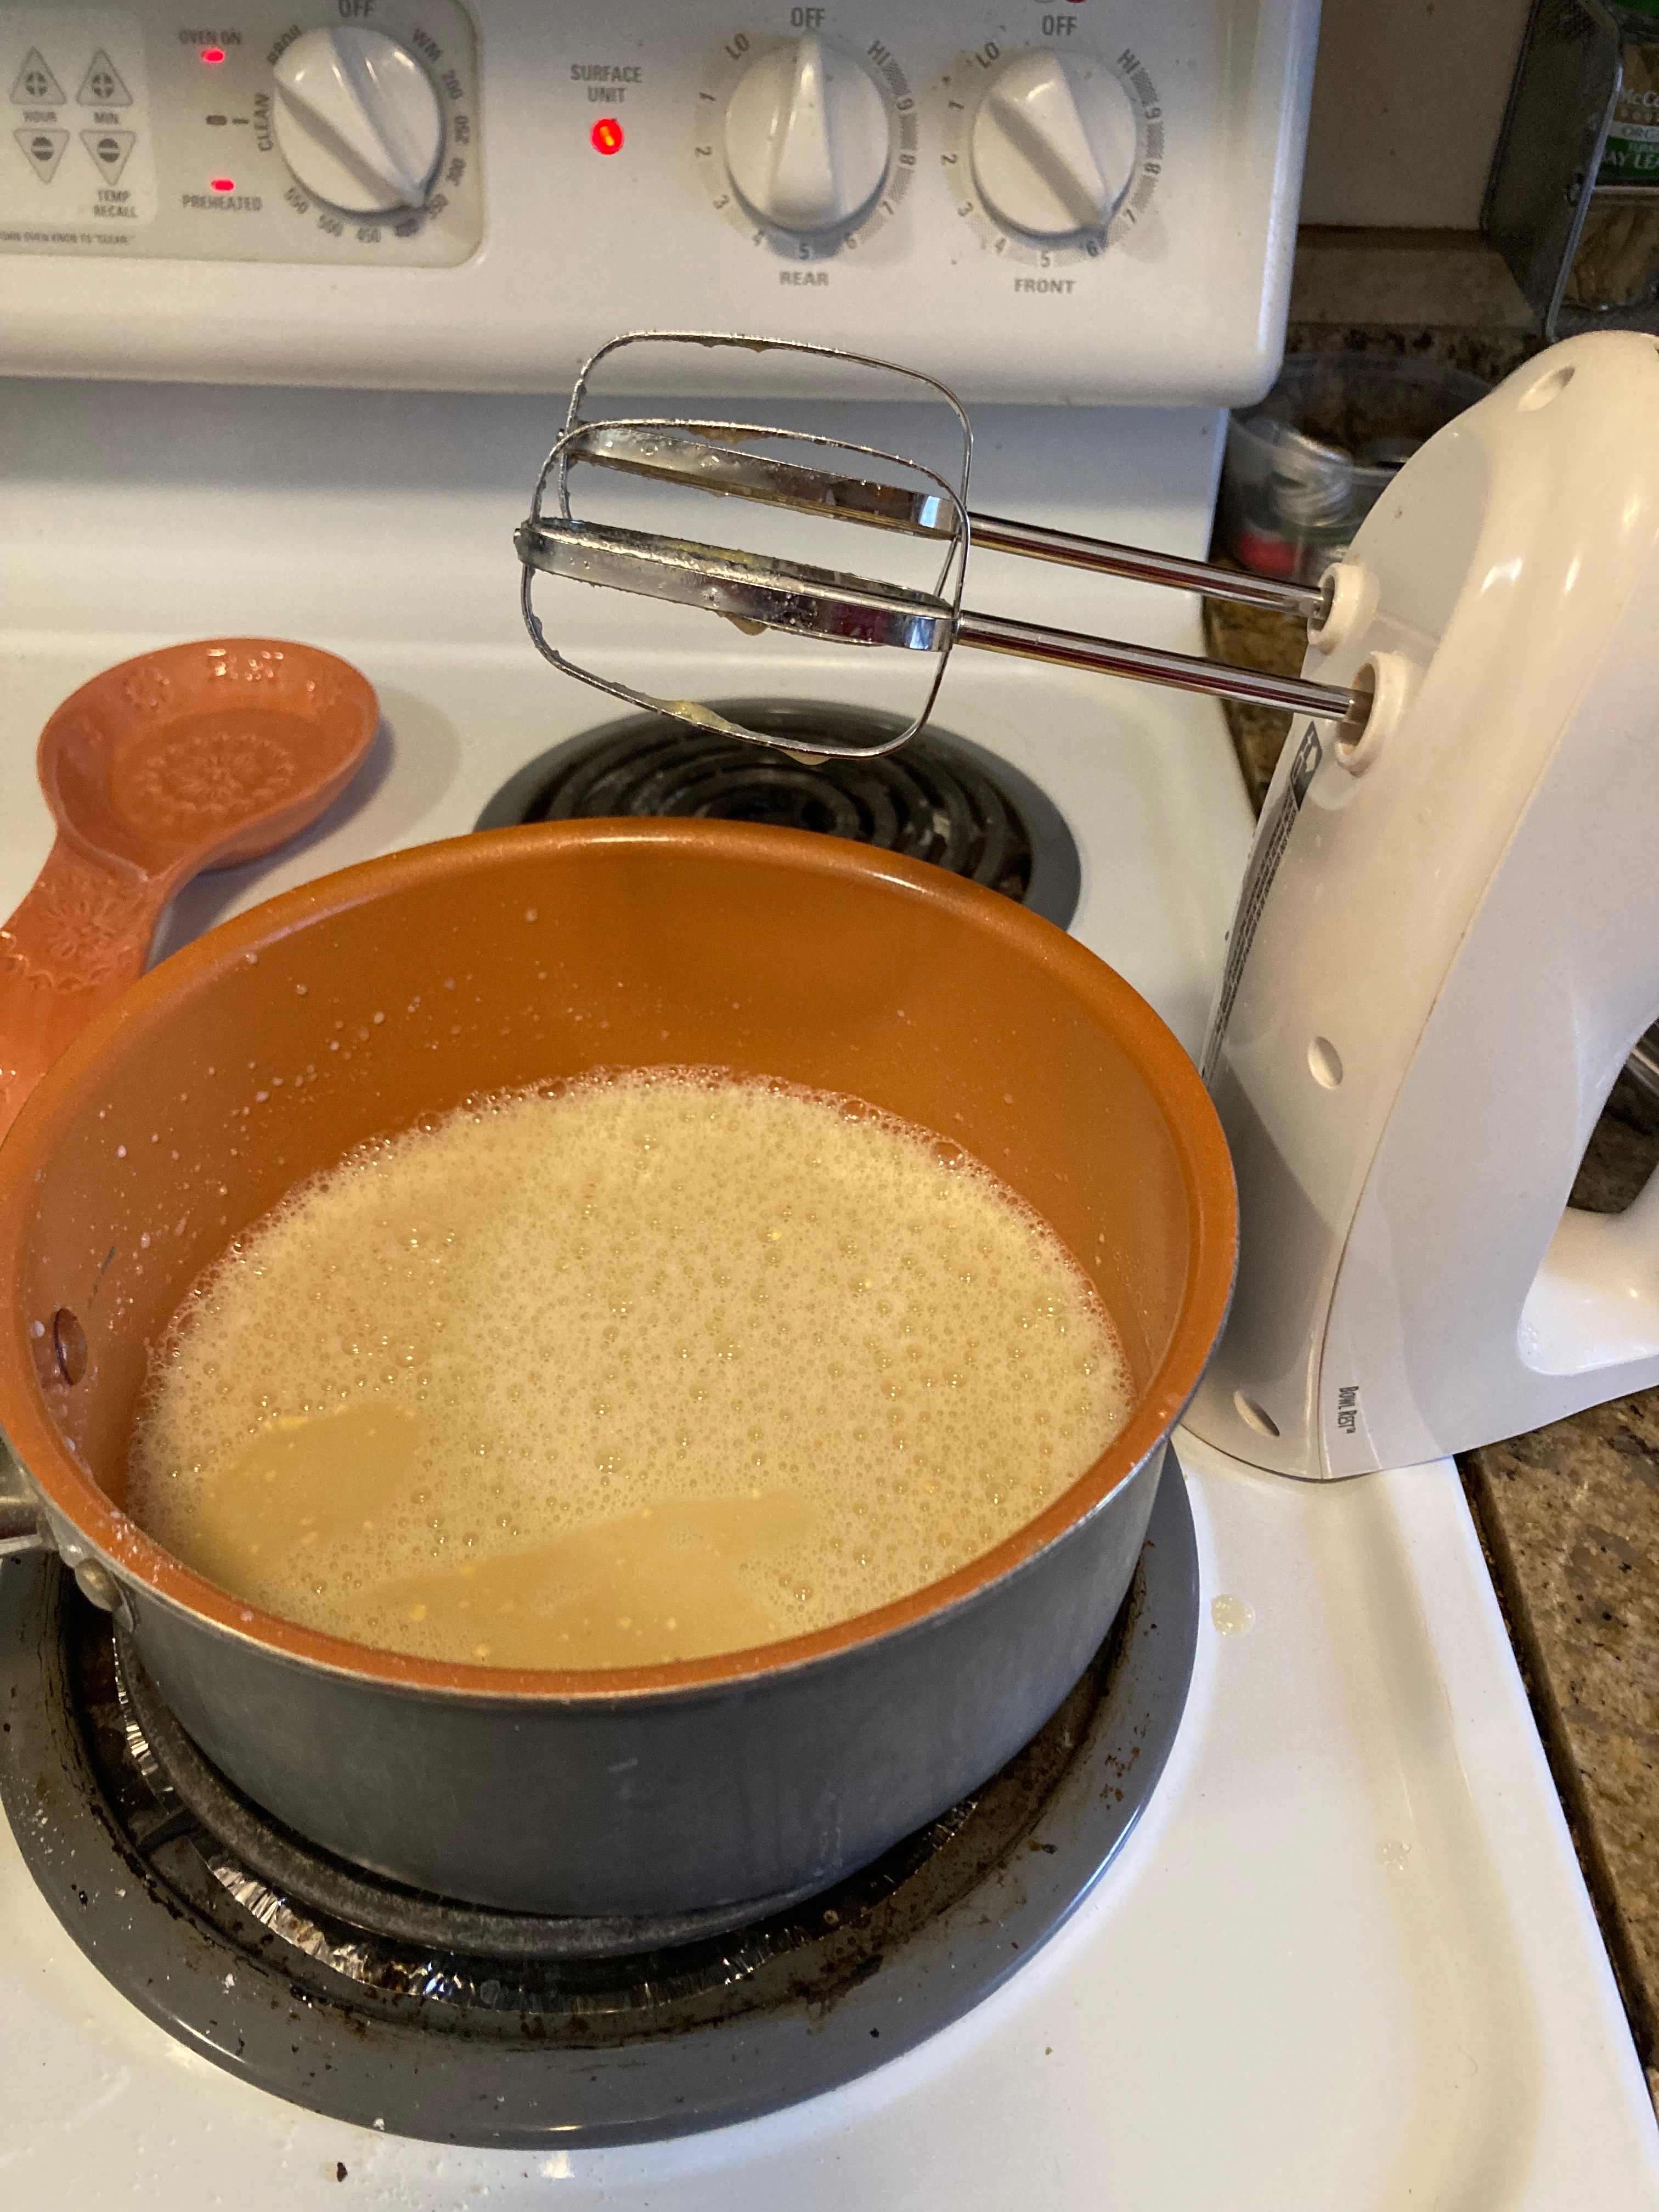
column 1345, row 1957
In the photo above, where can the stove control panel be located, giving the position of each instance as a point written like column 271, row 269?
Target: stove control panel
column 264, row 137
column 1076, row 200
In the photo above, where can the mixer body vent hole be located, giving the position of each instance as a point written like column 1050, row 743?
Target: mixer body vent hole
column 1549, row 386
column 1325, row 1063
column 1254, row 1416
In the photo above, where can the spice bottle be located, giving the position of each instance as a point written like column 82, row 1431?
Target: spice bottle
column 1617, row 263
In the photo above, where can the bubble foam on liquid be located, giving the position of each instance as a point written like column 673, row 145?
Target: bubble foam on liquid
column 653, row 1366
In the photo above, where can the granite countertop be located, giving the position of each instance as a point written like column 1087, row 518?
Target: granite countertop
column 1569, row 1515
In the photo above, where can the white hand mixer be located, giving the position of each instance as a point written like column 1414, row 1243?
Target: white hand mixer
column 1447, row 942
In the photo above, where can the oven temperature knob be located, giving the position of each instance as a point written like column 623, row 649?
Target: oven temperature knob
column 357, row 120
column 807, row 139
column 1053, row 146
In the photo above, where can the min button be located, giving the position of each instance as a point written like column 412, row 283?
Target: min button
column 102, row 86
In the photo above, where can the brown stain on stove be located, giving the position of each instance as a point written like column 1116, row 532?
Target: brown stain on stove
column 1122, row 1768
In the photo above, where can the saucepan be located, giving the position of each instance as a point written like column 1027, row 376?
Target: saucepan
column 183, row 1113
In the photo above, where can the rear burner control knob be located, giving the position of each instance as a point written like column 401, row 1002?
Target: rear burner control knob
column 1053, row 145
column 357, row 120
column 807, row 137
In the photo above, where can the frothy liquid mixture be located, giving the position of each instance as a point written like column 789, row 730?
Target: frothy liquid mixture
column 644, row 1369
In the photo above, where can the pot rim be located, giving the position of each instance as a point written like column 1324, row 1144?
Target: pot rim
column 70, row 1492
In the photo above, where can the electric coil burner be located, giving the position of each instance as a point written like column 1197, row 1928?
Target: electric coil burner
column 373, row 2003
column 939, row 798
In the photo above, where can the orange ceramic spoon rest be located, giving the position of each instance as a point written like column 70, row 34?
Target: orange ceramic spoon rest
column 198, row 756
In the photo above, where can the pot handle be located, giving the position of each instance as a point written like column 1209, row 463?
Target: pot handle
column 82, row 934
column 23, row 1525
column 25, row 1529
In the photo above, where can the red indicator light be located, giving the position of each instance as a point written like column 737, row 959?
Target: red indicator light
column 222, row 184
column 213, row 53
column 606, row 136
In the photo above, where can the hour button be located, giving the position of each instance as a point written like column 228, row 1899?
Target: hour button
column 36, row 86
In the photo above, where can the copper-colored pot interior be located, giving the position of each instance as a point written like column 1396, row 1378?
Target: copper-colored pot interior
column 263, row 1053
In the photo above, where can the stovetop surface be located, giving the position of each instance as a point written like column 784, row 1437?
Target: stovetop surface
column 1345, row 1957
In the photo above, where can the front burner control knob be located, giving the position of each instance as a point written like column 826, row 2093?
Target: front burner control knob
column 1053, row 145
column 807, row 137
column 358, row 120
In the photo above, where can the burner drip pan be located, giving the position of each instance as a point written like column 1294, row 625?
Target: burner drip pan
column 939, row 798
column 374, row 2004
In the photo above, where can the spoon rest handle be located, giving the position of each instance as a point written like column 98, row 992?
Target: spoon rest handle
column 81, row 936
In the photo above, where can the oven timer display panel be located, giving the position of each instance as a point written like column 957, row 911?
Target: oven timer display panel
column 272, row 135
